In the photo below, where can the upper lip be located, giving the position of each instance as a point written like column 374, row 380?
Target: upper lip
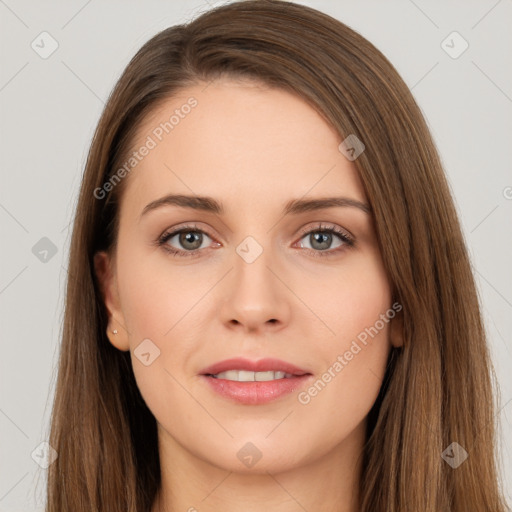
column 261, row 365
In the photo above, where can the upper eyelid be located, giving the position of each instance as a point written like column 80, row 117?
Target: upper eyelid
column 321, row 226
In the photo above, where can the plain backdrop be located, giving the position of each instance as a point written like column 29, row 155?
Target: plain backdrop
column 50, row 105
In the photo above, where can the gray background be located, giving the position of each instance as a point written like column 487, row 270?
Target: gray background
column 49, row 109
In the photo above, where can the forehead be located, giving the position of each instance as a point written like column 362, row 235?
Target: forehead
column 242, row 141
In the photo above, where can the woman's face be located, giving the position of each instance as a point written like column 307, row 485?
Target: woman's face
column 257, row 274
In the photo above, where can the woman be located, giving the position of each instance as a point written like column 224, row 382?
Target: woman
column 270, row 302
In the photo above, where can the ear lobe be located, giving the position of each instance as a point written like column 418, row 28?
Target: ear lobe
column 108, row 288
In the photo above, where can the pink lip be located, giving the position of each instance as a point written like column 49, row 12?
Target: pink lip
column 255, row 393
column 263, row 365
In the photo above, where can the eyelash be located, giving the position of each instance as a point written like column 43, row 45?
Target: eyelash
column 347, row 240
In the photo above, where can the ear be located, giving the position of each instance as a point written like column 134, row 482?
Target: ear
column 396, row 328
column 107, row 279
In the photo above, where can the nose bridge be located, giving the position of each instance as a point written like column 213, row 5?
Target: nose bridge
column 255, row 296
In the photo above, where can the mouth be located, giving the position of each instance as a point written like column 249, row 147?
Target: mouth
column 254, row 382
column 246, row 370
column 248, row 376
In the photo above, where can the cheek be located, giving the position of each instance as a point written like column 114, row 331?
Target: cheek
column 355, row 356
column 355, row 364
column 353, row 299
column 341, row 398
column 158, row 296
column 160, row 303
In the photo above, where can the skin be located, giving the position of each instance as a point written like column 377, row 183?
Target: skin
column 253, row 148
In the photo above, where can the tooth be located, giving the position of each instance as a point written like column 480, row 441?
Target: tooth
column 264, row 376
column 248, row 376
column 229, row 375
column 245, row 376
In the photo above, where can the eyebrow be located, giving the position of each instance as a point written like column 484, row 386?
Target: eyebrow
column 293, row 207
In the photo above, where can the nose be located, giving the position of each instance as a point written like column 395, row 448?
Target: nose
column 255, row 296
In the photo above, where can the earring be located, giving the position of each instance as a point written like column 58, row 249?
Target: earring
column 115, row 331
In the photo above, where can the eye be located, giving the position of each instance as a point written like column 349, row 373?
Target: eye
column 190, row 238
column 321, row 238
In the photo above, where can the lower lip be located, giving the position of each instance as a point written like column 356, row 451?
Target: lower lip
column 256, row 393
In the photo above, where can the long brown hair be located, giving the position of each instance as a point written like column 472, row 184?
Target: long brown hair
column 438, row 387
